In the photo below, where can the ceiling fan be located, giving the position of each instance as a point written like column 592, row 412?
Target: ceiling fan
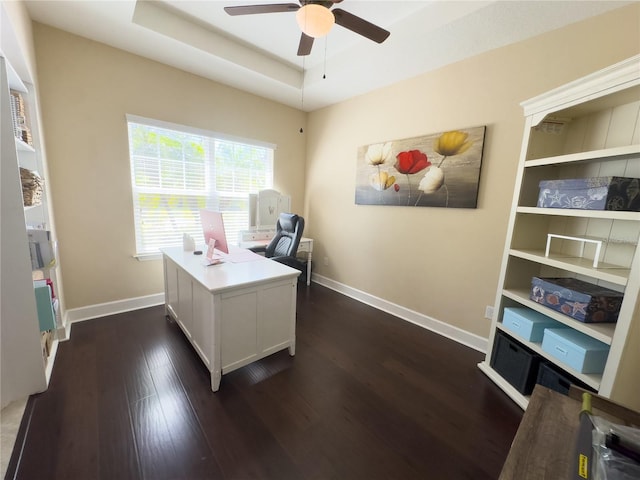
column 315, row 18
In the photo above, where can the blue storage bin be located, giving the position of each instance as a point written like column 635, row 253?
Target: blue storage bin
column 527, row 324
column 575, row 349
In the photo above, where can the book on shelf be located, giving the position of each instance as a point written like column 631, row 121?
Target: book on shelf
column 41, row 248
column 48, row 282
column 44, row 305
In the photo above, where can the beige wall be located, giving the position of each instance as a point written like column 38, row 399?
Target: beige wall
column 86, row 88
column 443, row 263
column 22, row 54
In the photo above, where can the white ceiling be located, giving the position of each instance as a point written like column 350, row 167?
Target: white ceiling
column 257, row 53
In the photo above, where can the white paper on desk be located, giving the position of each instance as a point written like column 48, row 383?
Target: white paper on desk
column 188, row 243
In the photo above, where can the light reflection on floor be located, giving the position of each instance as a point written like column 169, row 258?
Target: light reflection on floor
column 10, row 419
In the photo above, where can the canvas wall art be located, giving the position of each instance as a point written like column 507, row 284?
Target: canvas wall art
column 437, row 170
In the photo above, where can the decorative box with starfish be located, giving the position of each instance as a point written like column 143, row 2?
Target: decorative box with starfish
column 595, row 193
column 584, row 301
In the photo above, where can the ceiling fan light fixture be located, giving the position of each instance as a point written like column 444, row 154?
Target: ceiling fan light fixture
column 315, row 20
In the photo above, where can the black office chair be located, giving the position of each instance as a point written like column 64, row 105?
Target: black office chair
column 284, row 245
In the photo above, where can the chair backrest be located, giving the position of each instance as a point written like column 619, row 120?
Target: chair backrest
column 287, row 238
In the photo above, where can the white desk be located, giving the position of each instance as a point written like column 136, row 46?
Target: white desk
column 306, row 245
column 232, row 313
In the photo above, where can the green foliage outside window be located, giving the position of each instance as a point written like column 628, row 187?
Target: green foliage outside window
column 176, row 173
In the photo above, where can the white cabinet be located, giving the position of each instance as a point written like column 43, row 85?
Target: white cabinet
column 171, row 288
column 203, row 314
column 234, row 313
column 190, row 304
column 256, row 322
column 588, row 128
column 185, row 303
column 195, row 314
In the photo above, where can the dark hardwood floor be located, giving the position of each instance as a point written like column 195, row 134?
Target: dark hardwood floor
column 367, row 396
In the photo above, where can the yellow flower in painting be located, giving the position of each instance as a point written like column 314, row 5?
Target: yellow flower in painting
column 378, row 153
column 452, row 143
column 381, row 181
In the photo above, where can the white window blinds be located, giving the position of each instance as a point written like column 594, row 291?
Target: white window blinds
column 177, row 171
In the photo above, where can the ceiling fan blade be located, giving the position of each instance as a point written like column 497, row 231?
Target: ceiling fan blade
column 360, row 26
column 304, row 48
column 254, row 9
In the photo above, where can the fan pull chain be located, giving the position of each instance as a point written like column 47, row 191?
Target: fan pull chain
column 302, row 90
column 324, row 73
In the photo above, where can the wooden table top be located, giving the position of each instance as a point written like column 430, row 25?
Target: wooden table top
column 544, row 444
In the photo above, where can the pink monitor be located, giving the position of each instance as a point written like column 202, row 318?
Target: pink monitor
column 213, row 227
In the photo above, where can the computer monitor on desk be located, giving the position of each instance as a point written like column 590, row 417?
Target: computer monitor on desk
column 213, row 228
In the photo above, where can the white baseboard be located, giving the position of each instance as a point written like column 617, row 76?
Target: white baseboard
column 454, row 333
column 63, row 333
column 111, row 308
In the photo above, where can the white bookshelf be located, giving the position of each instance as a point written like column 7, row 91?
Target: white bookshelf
column 596, row 132
column 26, row 367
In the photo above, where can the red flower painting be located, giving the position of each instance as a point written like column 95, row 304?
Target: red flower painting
column 412, row 171
column 411, row 161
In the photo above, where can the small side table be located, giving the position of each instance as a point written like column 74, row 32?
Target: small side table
column 545, row 441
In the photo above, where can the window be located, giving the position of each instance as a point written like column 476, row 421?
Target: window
column 177, row 170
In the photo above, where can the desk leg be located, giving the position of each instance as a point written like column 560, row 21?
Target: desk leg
column 309, row 268
column 215, row 381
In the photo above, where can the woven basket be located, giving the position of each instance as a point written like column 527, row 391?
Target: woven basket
column 31, row 187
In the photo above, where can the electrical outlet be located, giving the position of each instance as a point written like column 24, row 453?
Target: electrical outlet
column 488, row 312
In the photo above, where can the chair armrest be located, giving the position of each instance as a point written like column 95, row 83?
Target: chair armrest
column 262, row 249
column 292, row 262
